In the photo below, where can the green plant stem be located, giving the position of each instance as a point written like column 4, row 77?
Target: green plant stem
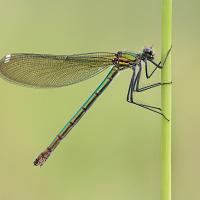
column 166, row 100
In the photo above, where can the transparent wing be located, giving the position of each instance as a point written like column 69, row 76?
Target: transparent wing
column 42, row 70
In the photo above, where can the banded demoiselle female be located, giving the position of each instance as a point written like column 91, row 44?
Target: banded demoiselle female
column 44, row 71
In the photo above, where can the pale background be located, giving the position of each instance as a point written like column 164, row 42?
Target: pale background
column 114, row 152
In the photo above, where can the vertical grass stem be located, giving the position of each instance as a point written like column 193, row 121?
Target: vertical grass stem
column 166, row 100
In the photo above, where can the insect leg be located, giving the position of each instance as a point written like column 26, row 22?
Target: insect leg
column 146, row 70
column 150, row 86
column 137, row 89
column 131, row 90
column 161, row 65
column 151, row 108
column 131, row 85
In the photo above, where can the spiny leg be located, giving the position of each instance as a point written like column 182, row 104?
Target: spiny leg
column 131, row 90
column 151, row 86
column 138, row 89
column 154, row 63
column 161, row 65
column 135, row 88
column 129, row 94
column 151, row 108
column 146, row 70
column 148, row 107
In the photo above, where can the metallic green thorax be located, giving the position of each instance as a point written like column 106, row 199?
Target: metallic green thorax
column 125, row 59
column 131, row 56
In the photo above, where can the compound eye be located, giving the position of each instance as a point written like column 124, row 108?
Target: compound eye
column 149, row 51
column 146, row 50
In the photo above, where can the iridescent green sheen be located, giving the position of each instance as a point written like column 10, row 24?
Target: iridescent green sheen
column 82, row 110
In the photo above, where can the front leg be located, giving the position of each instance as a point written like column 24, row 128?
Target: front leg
column 137, row 83
column 158, row 65
column 161, row 65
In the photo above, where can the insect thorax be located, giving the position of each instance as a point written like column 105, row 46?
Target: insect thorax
column 126, row 59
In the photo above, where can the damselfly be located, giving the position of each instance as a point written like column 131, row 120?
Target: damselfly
column 42, row 70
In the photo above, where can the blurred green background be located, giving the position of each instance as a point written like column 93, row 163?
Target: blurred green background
column 114, row 152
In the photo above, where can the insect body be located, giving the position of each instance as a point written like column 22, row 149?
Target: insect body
column 44, row 71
